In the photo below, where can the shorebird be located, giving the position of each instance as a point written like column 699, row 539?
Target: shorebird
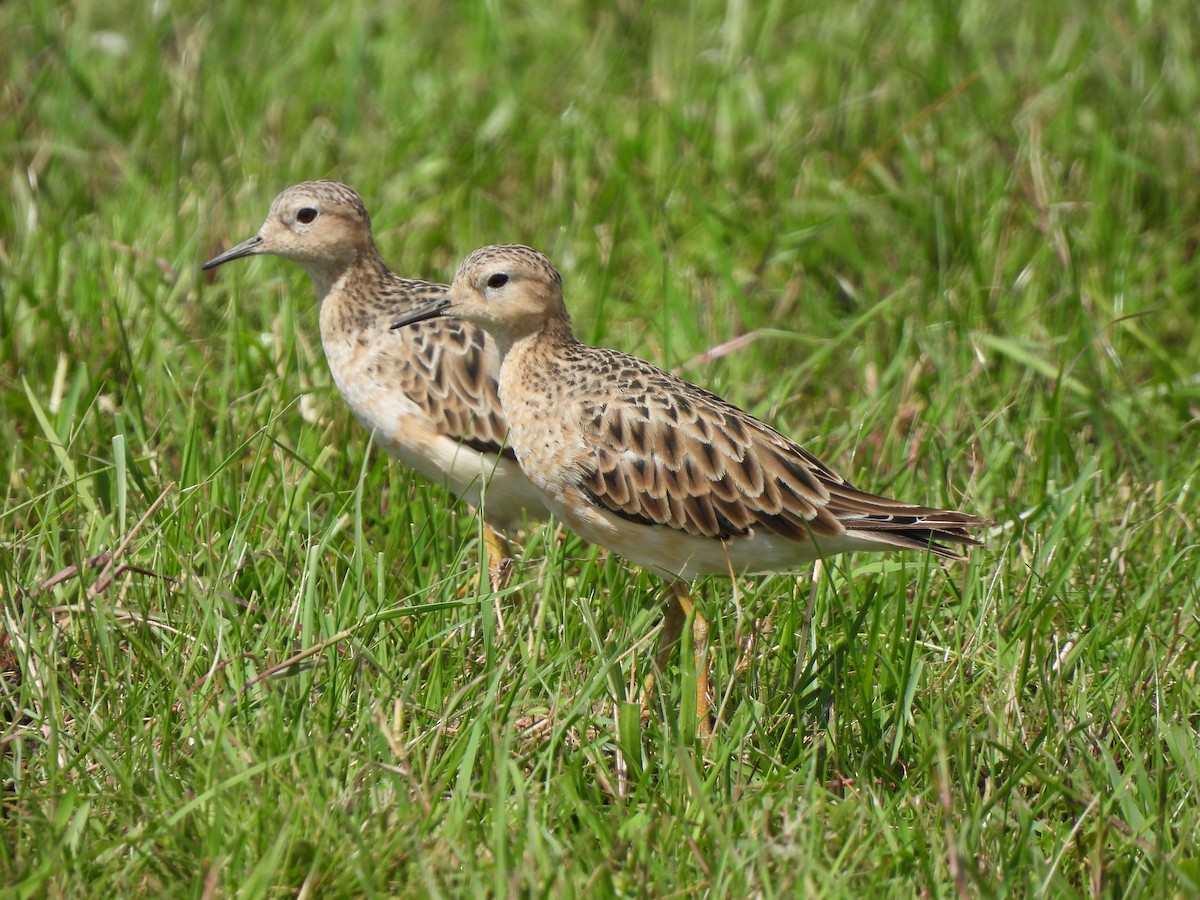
column 427, row 394
column 659, row 470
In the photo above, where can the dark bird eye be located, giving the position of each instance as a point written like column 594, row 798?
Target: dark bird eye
column 497, row 280
column 306, row 215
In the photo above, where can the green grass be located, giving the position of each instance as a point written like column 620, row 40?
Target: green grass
column 963, row 239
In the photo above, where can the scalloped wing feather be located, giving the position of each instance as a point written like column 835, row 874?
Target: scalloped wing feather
column 669, row 453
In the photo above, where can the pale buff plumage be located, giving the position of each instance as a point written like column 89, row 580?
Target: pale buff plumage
column 657, row 469
column 649, row 465
column 428, row 393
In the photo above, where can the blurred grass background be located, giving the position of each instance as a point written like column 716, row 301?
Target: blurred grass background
column 957, row 243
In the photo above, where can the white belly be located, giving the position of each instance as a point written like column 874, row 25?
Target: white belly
column 677, row 554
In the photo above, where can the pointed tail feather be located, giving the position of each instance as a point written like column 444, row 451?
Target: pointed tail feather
column 920, row 532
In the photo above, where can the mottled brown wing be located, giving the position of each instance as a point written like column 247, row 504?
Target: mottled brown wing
column 670, row 453
column 448, row 367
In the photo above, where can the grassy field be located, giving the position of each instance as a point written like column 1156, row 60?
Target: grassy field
column 959, row 243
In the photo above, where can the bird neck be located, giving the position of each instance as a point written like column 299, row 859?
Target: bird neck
column 546, row 340
column 363, row 268
column 533, row 380
column 350, row 304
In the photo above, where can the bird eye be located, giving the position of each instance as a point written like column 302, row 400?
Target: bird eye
column 498, row 280
column 306, row 215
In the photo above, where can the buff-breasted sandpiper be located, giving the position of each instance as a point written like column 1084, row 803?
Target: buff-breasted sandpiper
column 657, row 469
column 427, row 394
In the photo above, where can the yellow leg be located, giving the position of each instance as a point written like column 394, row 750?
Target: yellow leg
column 498, row 556
column 683, row 600
column 498, row 552
column 679, row 607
